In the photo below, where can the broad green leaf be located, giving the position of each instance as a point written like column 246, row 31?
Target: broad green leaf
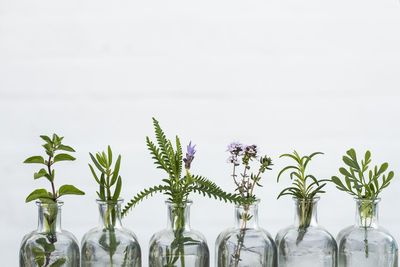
column 39, row 255
column 69, row 190
column 383, row 168
column 350, row 162
column 66, row 148
column 35, row 159
column 39, row 174
column 58, row 263
column 36, row 194
column 62, row 157
column 46, row 138
column 48, row 247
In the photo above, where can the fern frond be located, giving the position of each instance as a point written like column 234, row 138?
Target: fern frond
column 218, row 194
column 162, row 143
column 144, row 194
column 178, row 156
column 158, row 159
column 204, row 182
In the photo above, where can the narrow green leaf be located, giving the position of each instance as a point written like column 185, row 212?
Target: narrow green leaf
column 117, row 191
column 109, row 156
column 94, row 174
column 38, row 254
column 116, row 170
column 96, row 163
column 35, row 159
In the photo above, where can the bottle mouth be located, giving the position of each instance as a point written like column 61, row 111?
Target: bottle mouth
column 182, row 204
column 254, row 203
column 307, row 200
column 110, row 202
column 371, row 200
column 57, row 203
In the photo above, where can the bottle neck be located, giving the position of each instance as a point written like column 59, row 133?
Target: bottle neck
column 246, row 216
column 178, row 216
column 367, row 213
column 110, row 214
column 49, row 217
column 305, row 212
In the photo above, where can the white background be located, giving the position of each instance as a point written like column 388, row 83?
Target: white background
column 312, row 75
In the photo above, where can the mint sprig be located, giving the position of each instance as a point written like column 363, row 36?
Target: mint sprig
column 52, row 146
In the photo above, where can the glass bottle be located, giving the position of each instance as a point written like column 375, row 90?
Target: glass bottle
column 366, row 244
column 246, row 244
column 49, row 245
column 110, row 244
column 305, row 243
column 178, row 245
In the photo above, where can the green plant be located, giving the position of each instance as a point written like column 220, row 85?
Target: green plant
column 363, row 183
column 107, row 179
column 304, row 187
column 49, row 198
column 177, row 187
column 245, row 183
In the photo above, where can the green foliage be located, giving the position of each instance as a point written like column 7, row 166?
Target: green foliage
column 300, row 188
column 176, row 187
column 108, row 176
column 51, row 146
column 359, row 180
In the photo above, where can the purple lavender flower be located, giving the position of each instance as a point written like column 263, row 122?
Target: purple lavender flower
column 236, row 148
column 189, row 155
column 251, row 151
column 233, row 159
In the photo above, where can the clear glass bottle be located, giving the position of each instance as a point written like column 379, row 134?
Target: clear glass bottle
column 110, row 244
column 49, row 245
column 246, row 244
column 178, row 245
column 366, row 244
column 305, row 243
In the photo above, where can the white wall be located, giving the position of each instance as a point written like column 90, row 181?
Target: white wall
column 284, row 74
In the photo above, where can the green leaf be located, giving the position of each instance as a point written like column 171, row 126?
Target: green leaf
column 96, row 163
column 116, row 170
column 66, row 148
column 36, row 194
column 69, row 190
column 345, row 172
column 117, row 191
column 46, row 138
column 62, row 157
column 109, row 156
column 94, row 174
column 35, row 159
column 39, row 174
column 38, row 254
column 58, row 263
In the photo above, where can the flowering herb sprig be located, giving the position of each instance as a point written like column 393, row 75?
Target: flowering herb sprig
column 304, row 187
column 245, row 183
column 109, row 177
column 363, row 183
column 178, row 187
column 46, row 247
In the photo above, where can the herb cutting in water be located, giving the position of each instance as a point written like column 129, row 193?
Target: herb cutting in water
column 245, row 183
column 364, row 184
column 42, row 252
column 304, row 187
column 178, row 187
